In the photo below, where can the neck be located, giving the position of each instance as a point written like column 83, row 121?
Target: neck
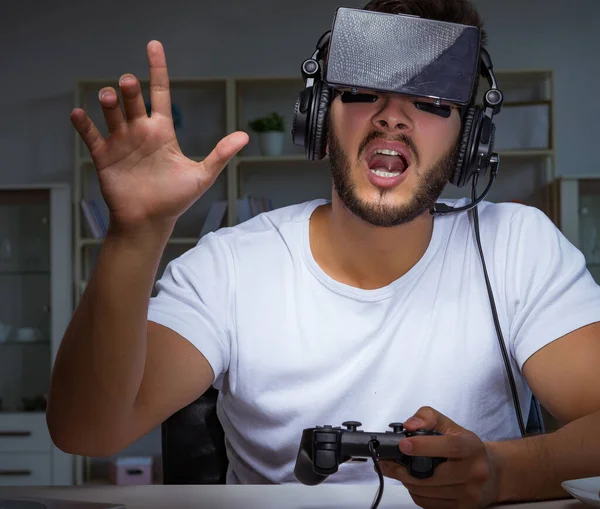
column 362, row 255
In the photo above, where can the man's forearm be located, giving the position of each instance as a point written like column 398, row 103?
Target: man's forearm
column 533, row 468
column 100, row 363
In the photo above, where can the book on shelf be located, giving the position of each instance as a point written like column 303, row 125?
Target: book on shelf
column 95, row 219
column 250, row 206
column 247, row 207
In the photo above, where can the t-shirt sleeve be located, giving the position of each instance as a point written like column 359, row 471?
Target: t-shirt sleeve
column 553, row 291
column 193, row 298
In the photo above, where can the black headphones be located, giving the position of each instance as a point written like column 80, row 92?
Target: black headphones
column 309, row 127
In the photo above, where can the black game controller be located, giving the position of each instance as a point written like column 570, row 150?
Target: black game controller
column 323, row 448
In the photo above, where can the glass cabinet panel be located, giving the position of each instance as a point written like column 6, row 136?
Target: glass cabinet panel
column 25, row 351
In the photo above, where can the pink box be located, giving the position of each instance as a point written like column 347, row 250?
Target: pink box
column 130, row 470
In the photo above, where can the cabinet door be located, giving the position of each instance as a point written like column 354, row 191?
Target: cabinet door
column 25, row 339
column 24, row 432
column 25, row 469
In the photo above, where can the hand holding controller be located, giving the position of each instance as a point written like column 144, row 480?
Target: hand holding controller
column 324, row 448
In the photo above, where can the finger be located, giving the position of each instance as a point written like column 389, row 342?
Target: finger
column 446, row 474
column 453, row 447
column 111, row 109
column 88, row 131
column 429, row 418
column 133, row 100
column 160, row 96
column 223, row 152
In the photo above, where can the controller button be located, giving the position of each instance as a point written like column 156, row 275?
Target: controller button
column 421, row 464
column 325, row 460
column 327, row 438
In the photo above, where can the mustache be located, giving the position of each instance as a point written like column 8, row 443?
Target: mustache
column 400, row 138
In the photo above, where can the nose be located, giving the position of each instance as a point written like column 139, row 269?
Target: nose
column 393, row 114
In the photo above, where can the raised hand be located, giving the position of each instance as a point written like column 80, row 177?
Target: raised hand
column 144, row 178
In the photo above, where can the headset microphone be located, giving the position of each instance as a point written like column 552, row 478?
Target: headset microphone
column 442, row 208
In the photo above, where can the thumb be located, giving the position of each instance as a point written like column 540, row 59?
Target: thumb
column 430, row 419
column 224, row 151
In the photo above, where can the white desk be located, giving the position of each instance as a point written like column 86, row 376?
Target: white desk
column 289, row 496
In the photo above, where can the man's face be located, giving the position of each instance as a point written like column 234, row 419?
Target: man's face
column 390, row 160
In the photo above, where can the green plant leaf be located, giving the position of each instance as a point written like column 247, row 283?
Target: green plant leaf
column 272, row 122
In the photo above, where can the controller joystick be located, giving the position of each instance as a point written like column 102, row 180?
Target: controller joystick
column 398, row 427
column 323, row 449
column 352, row 425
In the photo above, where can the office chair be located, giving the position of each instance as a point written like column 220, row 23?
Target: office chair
column 193, row 447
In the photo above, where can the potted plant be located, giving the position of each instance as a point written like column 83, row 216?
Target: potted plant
column 270, row 130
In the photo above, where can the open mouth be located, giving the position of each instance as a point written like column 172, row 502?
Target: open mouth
column 387, row 163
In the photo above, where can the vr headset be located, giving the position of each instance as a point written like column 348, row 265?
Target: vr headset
column 367, row 51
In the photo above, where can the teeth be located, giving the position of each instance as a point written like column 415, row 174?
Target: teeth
column 386, row 174
column 386, row 152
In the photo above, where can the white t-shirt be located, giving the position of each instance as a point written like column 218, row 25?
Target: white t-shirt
column 292, row 348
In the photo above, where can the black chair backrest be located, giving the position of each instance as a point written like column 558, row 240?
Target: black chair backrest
column 193, row 446
column 535, row 421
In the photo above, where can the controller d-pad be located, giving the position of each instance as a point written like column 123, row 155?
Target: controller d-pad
column 325, row 459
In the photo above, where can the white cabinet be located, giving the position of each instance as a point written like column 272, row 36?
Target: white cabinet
column 35, row 309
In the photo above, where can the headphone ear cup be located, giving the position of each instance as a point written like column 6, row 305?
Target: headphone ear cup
column 464, row 163
column 299, row 121
column 317, row 137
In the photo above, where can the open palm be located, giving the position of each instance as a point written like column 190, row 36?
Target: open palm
column 144, row 177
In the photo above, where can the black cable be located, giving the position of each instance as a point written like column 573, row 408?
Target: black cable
column 372, row 446
column 511, row 379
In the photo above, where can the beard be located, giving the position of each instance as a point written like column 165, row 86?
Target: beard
column 429, row 187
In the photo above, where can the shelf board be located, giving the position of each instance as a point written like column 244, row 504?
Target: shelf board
column 89, row 242
column 24, row 343
column 276, row 159
column 579, row 177
column 183, row 240
column 537, row 102
column 87, row 161
column 526, row 153
column 24, row 272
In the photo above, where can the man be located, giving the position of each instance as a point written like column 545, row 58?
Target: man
column 364, row 307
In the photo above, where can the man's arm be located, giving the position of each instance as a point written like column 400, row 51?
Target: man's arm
column 565, row 377
column 116, row 375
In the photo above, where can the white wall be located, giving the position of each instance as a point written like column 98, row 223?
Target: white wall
column 46, row 46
